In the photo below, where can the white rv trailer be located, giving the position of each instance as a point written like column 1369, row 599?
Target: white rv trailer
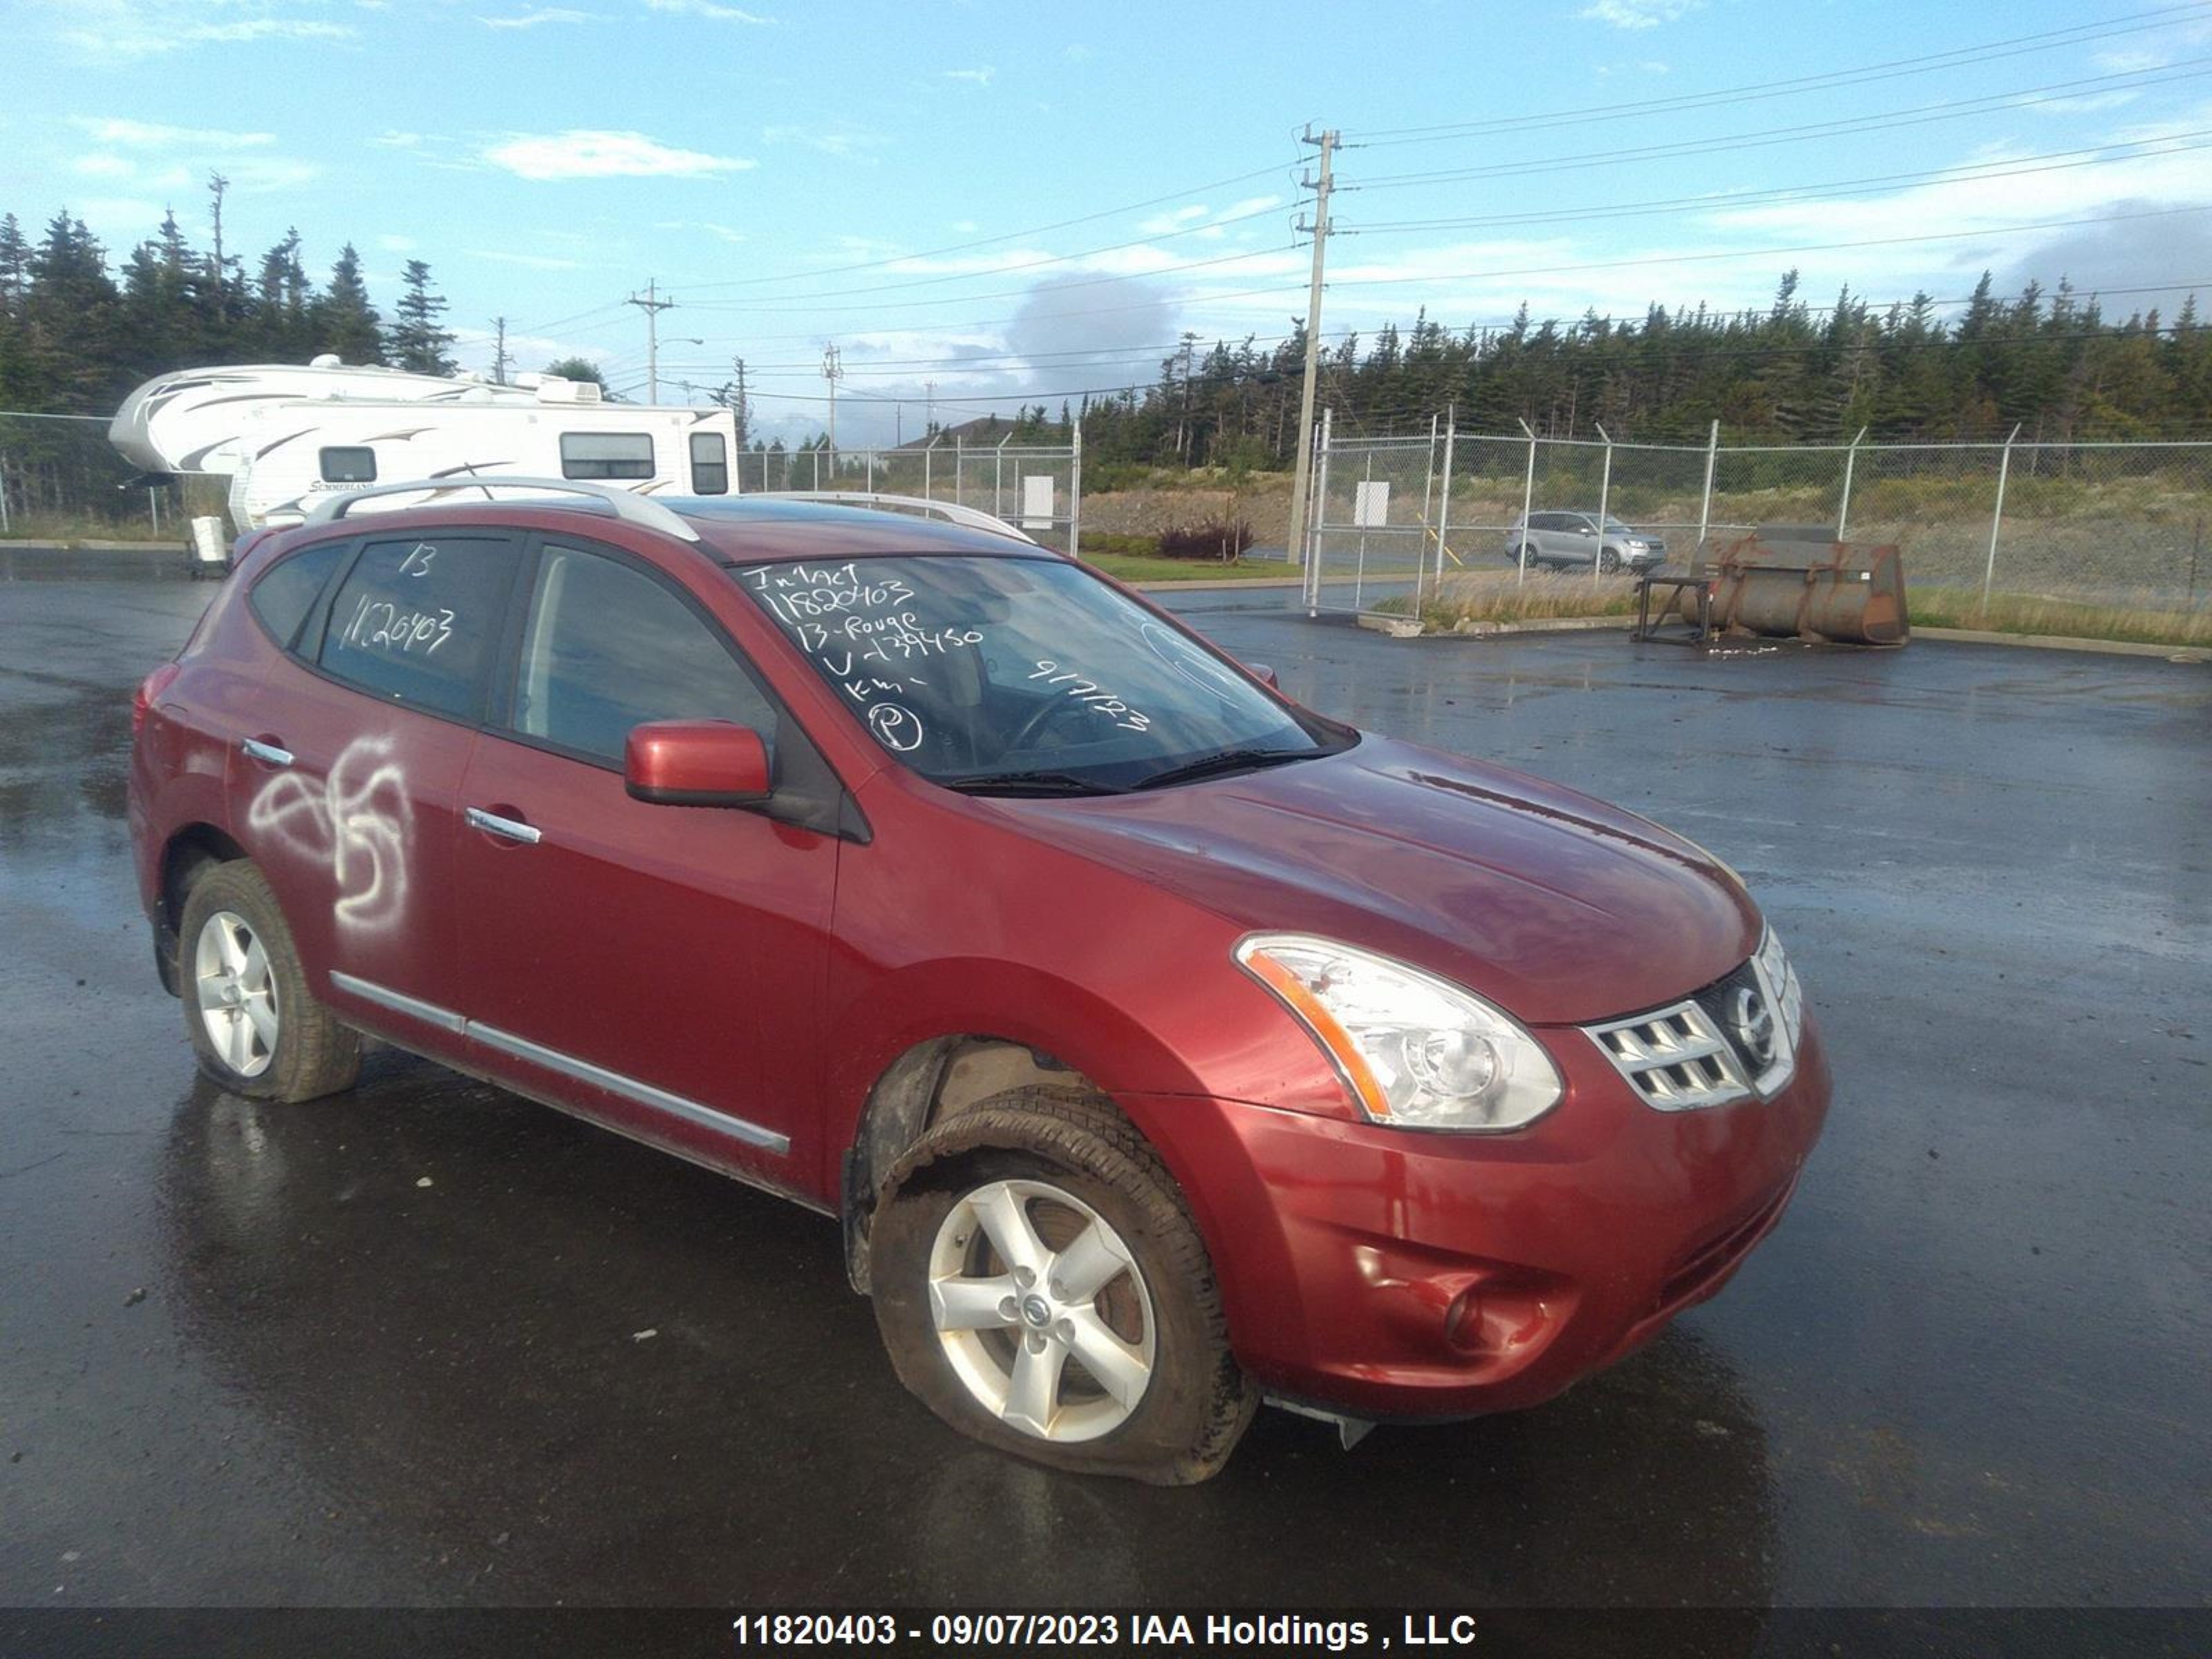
column 288, row 437
column 292, row 455
column 175, row 422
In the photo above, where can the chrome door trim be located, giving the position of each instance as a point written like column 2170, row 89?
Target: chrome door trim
column 508, row 828
column 582, row 1071
column 414, row 1008
column 707, row 1117
column 266, row 752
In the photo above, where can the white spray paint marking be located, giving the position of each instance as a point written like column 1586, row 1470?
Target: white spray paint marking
column 359, row 820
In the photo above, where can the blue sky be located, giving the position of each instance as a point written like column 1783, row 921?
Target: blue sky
column 1019, row 203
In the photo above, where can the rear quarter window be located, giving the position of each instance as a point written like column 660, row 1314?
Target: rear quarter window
column 287, row 591
column 416, row 619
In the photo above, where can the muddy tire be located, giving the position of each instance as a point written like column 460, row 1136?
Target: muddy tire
column 254, row 1026
column 1041, row 1286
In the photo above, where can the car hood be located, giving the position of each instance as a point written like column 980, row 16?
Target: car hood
column 1558, row 908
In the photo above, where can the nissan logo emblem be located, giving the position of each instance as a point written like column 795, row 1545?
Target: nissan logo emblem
column 1754, row 1025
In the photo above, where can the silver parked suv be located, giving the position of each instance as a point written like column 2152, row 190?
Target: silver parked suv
column 1570, row 538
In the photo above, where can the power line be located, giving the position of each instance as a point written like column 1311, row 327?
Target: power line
column 1773, row 252
column 1919, row 115
column 1965, row 173
column 1892, row 68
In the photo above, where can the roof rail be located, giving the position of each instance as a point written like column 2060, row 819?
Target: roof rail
column 975, row 518
column 626, row 504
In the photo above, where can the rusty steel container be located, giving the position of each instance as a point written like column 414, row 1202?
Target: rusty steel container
column 1790, row 582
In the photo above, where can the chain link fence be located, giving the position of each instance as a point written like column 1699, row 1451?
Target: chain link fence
column 2114, row 524
column 1036, row 488
column 61, row 480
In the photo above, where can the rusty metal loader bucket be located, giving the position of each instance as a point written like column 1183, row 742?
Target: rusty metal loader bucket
column 1792, row 584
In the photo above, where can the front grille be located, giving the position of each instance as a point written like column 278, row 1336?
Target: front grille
column 1734, row 1039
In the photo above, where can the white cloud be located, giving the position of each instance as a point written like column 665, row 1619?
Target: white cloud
column 107, row 29
column 1162, row 224
column 841, row 140
column 148, row 135
column 584, row 153
column 1636, row 14
column 720, row 233
column 399, row 140
column 979, row 78
column 533, row 261
column 542, row 15
column 2130, row 62
column 709, row 8
column 105, row 167
column 392, row 244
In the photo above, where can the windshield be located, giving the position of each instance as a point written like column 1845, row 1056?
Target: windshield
column 1023, row 675
column 1612, row 523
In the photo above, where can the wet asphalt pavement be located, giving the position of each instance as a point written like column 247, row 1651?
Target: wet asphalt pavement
column 425, row 1343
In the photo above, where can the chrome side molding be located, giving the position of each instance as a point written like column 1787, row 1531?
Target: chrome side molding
column 568, row 1066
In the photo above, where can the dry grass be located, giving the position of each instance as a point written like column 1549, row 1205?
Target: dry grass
column 1497, row 596
column 2030, row 613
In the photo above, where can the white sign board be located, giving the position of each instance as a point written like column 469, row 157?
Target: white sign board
column 1370, row 504
column 1036, row 500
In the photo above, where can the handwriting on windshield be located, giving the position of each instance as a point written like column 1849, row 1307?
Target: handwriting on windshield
column 866, row 635
column 1092, row 696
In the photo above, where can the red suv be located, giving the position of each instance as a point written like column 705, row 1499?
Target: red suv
column 1162, row 1046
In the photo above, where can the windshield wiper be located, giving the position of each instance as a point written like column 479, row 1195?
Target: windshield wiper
column 1229, row 760
column 1030, row 783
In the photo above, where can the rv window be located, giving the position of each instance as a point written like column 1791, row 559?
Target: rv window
column 710, row 464
column 609, row 647
column 416, row 617
column 354, row 464
column 607, row 455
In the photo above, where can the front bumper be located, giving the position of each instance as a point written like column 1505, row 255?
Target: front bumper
column 1387, row 1273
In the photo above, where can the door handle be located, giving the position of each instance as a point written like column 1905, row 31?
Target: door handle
column 267, row 753
column 507, row 828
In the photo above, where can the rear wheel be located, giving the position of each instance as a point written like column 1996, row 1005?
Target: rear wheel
column 1040, row 1285
column 255, row 1027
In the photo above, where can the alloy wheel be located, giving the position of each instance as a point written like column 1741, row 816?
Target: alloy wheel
column 1042, row 1310
column 236, row 991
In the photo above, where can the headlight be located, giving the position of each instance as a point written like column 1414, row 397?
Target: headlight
column 1415, row 1051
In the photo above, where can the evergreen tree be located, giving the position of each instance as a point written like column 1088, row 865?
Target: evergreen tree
column 344, row 321
column 417, row 340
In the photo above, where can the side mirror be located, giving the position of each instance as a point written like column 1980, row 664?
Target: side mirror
column 697, row 763
column 1584, row 529
column 1264, row 674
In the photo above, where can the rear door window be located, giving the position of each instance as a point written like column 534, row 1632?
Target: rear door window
column 417, row 618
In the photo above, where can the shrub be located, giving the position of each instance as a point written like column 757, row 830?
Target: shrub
column 1224, row 540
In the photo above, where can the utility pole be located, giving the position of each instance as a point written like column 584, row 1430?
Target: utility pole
column 745, row 408
column 832, row 371
column 1302, row 475
column 1182, row 421
column 929, row 408
column 652, row 304
column 499, row 359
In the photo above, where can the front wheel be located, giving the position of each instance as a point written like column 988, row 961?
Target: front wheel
column 1608, row 560
column 255, row 1027
column 1040, row 1285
